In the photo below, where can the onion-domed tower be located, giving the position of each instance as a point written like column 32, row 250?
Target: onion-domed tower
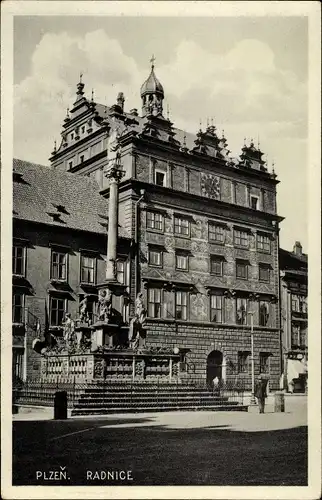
column 152, row 94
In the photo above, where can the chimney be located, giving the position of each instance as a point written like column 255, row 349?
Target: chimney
column 297, row 249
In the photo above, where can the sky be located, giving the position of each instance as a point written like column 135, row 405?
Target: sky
column 250, row 74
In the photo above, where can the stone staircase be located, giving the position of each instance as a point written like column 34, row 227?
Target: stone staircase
column 100, row 399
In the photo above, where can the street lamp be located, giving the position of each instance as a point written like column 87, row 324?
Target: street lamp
column 252, row 399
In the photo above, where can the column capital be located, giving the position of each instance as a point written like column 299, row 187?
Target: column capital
column 114, row 173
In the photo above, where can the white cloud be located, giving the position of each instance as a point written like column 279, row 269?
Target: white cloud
column 243, row 89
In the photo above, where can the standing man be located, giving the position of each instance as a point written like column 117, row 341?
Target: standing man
column 261, row 392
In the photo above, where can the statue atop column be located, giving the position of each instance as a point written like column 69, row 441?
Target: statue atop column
column 83, row 311
column 68, row 329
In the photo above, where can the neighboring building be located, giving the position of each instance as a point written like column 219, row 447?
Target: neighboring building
column 200, row 233
column 294, row 317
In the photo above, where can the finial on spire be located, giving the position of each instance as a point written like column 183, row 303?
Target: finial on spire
column 152, row 61
column 200, row 125
column 185, row 139
column 207, row 122
column 212, row 121
column 92, row 98
column 168, row 112
column 80, row 77
column 244, row 141
column 223, row 134
column 258, row 143
column 55, row 148
column 273, row 167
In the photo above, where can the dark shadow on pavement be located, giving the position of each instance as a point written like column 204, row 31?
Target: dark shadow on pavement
column 157, row 455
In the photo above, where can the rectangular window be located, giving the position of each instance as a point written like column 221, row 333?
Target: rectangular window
column 81, row 158
column 155, row 257
column 58, row 265
column 17, row 308
column 243, row 361
column 264, row 272
column 181, row 226
column 302, row 304
column 70, row 164
column 254, row 202
column 88, row 267
column 83, row 129
column 295, row 303
column 57, row 309
column 120, row 271
column 181, row 305
column 18, row 260
column 182, row 261
column 263, row 313
column 263, row 243
column 240, row 238
column 264, row 362
column 295, row 336
column 216, row 265
column 217, row 308
column 154, row 221
column 241, row 311
column 160, row 178
column 303, row 333
column 72, row 135
column 241, row 269
column 216, row 233
column 154, row 302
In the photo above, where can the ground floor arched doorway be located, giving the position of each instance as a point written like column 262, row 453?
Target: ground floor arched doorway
column 214, row 366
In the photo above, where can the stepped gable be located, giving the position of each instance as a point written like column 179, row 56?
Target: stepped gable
column 44, row 195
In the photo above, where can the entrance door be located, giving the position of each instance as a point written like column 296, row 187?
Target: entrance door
column 214, row 367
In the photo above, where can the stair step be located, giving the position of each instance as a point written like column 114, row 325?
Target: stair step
column 153, row 403
column 103, row 411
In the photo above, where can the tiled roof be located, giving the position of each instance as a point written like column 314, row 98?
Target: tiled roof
column 289, row 260
column 45, row 195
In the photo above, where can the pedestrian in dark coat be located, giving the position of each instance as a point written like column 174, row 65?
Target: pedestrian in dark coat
column 261, row 392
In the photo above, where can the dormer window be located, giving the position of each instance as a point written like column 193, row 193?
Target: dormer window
column 160, row 178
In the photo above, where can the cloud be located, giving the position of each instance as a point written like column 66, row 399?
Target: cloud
column 242, row 88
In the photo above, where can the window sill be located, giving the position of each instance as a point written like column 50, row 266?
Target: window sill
column 57, row 280
column 241, row 247
column 156, row 266
column 15, row 275
column 182, row 270
column 185, row 236
column 152, row 230
column 215, row 242
column 267, row 252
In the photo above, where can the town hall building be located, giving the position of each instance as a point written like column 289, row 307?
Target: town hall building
column 172, row 218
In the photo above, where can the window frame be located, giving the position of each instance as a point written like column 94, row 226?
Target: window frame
column 298, row 328
column 240, row 262
column 157, row 251
column 20, row 307
column 156, row 307
column 151, row 217
column 295, row 299
column 23, row 259
column 176, row 224
column 243, row 235
column 85, row 255
column 160, row 171
column 181, row 254
column 246, row 302
column 264, row 356
column 217, row 296
column 254, row 197
column 65, row 309
column 263, row 243
column 260, row 316
column 183, row 307
column 243, row 361
column 264, row 267
column 61, row 251
column 218, row 259
column 215, row 226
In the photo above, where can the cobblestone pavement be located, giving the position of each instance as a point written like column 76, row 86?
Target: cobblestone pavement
column 175, row 448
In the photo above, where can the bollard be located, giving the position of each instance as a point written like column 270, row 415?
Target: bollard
column 60, row 405
column 279, row 406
